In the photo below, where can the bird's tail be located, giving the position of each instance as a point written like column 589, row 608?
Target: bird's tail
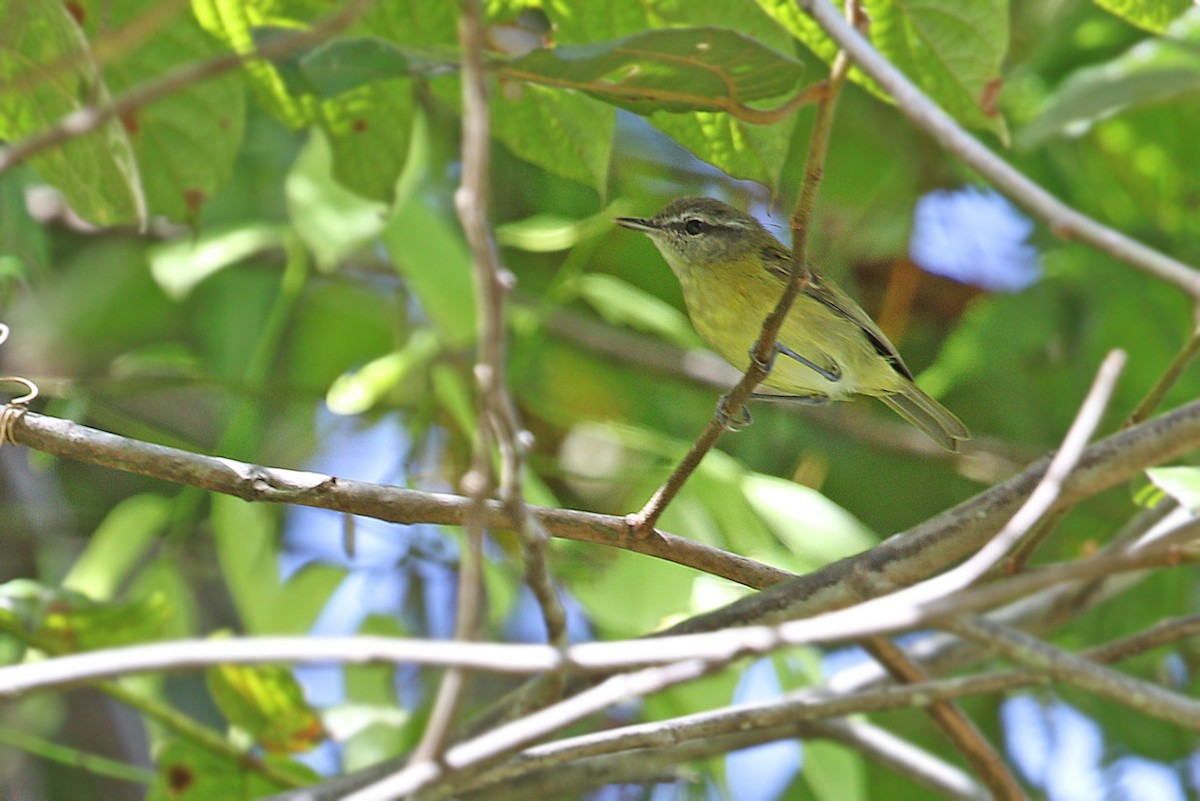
column 928, row 415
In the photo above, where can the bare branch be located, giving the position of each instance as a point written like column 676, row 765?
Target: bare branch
column 393, row 504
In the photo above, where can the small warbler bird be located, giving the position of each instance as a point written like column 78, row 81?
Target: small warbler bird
column 733, row 272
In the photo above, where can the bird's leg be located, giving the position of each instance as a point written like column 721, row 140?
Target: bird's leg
column 815, row 399
column 743, row 420
column 832, row 374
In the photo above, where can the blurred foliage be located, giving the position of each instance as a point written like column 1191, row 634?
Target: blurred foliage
column 267, row 266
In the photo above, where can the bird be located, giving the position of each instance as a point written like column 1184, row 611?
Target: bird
column 733, row 271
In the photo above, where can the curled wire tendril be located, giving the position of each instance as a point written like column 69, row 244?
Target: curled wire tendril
column 12, row 411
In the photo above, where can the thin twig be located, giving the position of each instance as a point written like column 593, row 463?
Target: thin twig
column 730, row 404
column 954, row 723
column 925, row 114
column 1040, row 501
column 1025, row 549
column 1143, row 696
column 88, row 119
column 1162, row 386
column 473, row 756
column 571, row 778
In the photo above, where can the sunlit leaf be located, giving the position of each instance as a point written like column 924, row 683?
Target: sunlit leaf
column 246, row 545
column 676, row 69
column 1153, row 15
column 359, row 390
column 951, row 50
column 266, row 702
column 98, row 172
column 1181, row 483
column 180, row 266
column 185, row 142
column 432, row 256
column 330, row 219
column 64, row 621
column 188, row 771
column 116, row 547
column 623, row 304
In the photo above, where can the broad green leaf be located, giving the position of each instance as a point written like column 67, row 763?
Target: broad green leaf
column 185, row 142
column 331, row 220
column 233, row 22
column 675, row 69
column 741, row 150
column 188, row 771
column 97, row 172
column 562, row 132
column 246, row 550
column 1153, row 15
column 118, row 545
column 182, row 265
column 266, row 702
column 342, row 65
column 812, row 526
column 357, row 391
column 1153, row 71
column 834, row 772
column 431, row 255
column 1181, row 483
column 414, row 22
column 951, row 50
column 369, row 131
column 62, row 621
column 621, row 303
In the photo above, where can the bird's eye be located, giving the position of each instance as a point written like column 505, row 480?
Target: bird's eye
column 694, row 226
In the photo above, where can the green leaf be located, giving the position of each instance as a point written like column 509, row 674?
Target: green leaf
column 233, row 22
column 432, row 256
column 359, row 390
column 331, row 220
column 97, row 172
column 676, row 69
column 266, row 702
column 815, row 528
column 180, row 266
column 1181, row 483
column 346, row 64
column 185, row 142
column 369, row 133
column 118, row 545
column 246, row 549
column 561, row 132
column 61, row 621
column 834, row 772
column 621, row 303
column 741, row 150
column 1153, row 15
column 1151, row 72
column 188, row 771
column 951, row 50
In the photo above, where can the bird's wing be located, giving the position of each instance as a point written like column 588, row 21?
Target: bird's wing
column 779, row 261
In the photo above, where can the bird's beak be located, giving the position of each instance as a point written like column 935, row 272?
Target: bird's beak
column 637, row 224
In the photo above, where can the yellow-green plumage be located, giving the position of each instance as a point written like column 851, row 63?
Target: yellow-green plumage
column 733, row 272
